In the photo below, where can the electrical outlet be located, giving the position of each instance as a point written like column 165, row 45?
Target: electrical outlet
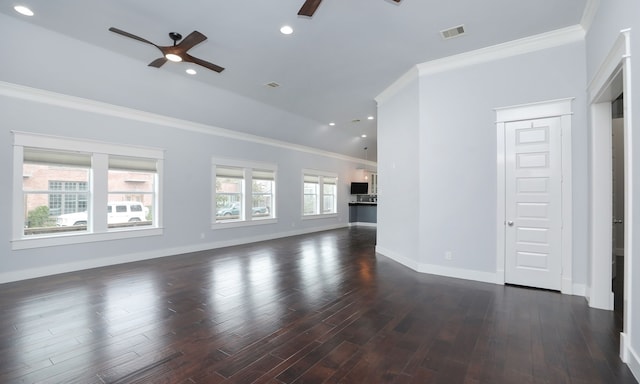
column 448, row 255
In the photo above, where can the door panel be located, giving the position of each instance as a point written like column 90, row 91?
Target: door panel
column 533, row 203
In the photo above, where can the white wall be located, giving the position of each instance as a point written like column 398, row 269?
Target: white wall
column 47, row 60
column 399, row 192
column 187, row 187
column 193, row 123
column 611, row 18
column 457, row 158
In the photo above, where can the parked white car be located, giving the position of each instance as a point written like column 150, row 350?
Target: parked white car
column 117, row 212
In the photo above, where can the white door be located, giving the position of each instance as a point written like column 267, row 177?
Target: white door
column 533, row 198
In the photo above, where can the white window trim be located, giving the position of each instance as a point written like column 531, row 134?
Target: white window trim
column 98, row 186
column 322, row 174
column 247, row 196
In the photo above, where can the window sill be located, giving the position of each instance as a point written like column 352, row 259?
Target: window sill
column 239, row 224
column 77, row 238
column 322, row 216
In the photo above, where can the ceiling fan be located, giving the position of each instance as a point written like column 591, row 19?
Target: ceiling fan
column 177, row 51
column 309, row 7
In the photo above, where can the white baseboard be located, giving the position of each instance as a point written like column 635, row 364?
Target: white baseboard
column 458, row 273
column 397, row 258
column 579, row 290
column 468, row 274
column 629, row 356
column 634, row 363
column 31, row 273
column 363, row 224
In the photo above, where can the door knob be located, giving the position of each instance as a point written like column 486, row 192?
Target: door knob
column 510, row 223
column 617, row 221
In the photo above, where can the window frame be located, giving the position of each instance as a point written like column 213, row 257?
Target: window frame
column 97, row 191
column 321, row 175
column 246, row 218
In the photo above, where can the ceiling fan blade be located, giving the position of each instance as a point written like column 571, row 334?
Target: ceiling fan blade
column 159, row 62
column 188, row 58
column 190, row 41
column 309, row 7
column 127, row 34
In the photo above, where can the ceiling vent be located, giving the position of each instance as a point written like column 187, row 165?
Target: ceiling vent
column 272, row 84
column 452, row 32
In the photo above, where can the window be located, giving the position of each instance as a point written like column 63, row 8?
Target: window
column 311, row 195
column 229, row 193
column 68, row 202
column 262, row 190
column 131, row 186
column 244, row 192
column 46, row 197
column 70, row 191
column 320, row 193
column 329, row 194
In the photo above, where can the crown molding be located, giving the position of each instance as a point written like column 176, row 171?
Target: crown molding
column 589, row 14
column 512, row 48
column 404, row 80
column 620, row 51
column 87, row 105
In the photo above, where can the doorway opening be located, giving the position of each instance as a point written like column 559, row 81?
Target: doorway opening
column 610, row 82
column 617, row 203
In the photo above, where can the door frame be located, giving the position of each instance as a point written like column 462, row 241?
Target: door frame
column 613, row 77
column 545, row 109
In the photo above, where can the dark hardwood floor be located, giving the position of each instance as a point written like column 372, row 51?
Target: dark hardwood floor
column 319, row 308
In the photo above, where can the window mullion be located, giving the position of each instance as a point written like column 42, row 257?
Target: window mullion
column 19, row 202
column 247, row 190
column 321, row 195
column 98, row 191
column 157, row 194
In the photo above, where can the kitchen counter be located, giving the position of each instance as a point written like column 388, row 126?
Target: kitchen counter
column 363, row 212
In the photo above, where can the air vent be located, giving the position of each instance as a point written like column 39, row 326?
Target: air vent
column 452, row 32
column 272, row 84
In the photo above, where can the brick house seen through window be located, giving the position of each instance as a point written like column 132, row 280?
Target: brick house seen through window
column 66, row 189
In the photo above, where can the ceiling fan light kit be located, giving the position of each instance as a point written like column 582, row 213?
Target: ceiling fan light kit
column 176, row 52
column 173, row 57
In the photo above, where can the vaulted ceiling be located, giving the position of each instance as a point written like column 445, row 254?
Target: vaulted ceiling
column 329, row 70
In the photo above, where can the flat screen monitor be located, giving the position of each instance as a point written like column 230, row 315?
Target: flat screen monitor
column 358, row 188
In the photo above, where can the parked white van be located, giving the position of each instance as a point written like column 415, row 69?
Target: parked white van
column 117, row 212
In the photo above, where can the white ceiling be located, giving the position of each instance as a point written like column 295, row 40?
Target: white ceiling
column 333, row 65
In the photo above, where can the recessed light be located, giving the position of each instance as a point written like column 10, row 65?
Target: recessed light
column 332, row 124
column 191, row 71
column 172, row 57
column 363, row 135
column 370, row 118
column 286, row 30
column 21, row 9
